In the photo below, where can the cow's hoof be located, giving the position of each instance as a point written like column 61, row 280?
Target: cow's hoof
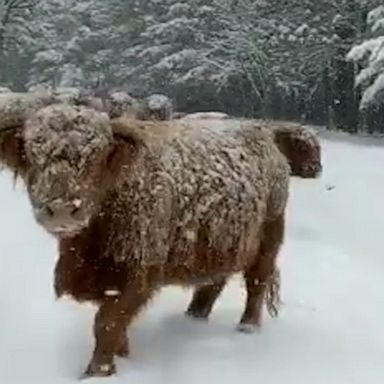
column 99, row 370
column 196, row 315
column 248, row 328
column 123, row 351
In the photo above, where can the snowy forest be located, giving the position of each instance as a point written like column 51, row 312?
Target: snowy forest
column 316, row 61
column 243, row 245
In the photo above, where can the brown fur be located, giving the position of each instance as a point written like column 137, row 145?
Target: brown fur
column 174, row 204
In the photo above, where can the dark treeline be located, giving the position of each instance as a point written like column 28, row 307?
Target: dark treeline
column 273, row 59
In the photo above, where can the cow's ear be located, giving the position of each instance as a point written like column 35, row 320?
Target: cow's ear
column 15, row 109
column 125, row 148
column 12, row 152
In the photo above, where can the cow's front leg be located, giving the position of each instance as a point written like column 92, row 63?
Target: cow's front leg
column 111, row 321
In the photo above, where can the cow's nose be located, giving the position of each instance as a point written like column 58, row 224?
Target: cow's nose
column 61, row 213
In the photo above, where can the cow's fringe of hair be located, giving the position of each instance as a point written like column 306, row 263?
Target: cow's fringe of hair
column 9, row 157
column 273, row 299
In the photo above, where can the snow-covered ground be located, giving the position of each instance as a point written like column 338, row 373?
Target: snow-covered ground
column 331, row 326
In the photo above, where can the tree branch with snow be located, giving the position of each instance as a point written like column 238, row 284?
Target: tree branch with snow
column 370, row 55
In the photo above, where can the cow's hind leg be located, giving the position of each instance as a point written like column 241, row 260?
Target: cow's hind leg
column 204, row 298
column 262, row 279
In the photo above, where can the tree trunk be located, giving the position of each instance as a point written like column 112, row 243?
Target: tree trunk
column 343, row 98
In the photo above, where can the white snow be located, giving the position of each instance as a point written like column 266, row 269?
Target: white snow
column 330, row 329
column 206, row 115
column 375, row 16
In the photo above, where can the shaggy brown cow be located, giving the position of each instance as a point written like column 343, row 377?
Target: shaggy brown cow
column 119, row 103
column 156, row 107
column 138, row 205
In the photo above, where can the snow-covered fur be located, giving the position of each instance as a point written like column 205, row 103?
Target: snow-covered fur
column 70, row 95
column 137, row 205
column 79, row 96
column 153, row 107
column 16, row 107
column 299, row 144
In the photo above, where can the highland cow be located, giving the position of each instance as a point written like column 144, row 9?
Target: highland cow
column 156, row 107
column 115, row 104
column 69, row 95
column 121, row 103
column 80, row 96
column 137, row 205
column 299, row 144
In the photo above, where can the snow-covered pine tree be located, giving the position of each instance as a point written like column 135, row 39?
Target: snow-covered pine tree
column 18, row 25
column 370, row 55
column 174, row 48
